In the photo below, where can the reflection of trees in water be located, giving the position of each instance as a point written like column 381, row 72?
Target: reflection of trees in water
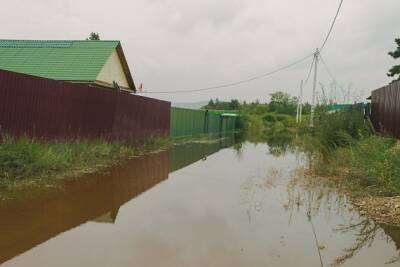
column 365, row 232
column 255, row 190
column 313, row 196
column 279, row 143
column 239, row 147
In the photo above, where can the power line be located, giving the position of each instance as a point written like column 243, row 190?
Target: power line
column 327, row 68
column 233, row 83
column 309, row 72
column 262, row 75
column 332, row 25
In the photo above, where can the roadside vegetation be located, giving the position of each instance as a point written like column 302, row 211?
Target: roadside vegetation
column 344, row 150
column 342, row 147
column 27, row 163
column 343, row 144
column 28, row 166
column 256, row 117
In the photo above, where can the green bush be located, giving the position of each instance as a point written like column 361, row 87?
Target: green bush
column 371, row 161
column 336, row 129
column 269, row 117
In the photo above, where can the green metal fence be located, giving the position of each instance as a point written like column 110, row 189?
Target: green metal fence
column 189, row 122
column 214, row 123
column 228, row 124
column 186, row 122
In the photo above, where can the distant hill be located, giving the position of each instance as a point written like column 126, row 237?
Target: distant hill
column 191, row 105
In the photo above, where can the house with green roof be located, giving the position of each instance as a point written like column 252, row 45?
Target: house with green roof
column 96, row 63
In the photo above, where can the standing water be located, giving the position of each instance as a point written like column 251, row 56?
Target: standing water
column 199, row 204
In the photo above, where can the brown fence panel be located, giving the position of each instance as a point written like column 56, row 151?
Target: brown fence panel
column 139, row 117
column 44, row 108
column 385, row 109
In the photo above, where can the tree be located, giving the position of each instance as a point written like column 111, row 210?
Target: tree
column 234, row 104
column 280, row 97
column 93, row 36
column 283, row 103
column 216, row 104
column 210, row 103
column 395, row 70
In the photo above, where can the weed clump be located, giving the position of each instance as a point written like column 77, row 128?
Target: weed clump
column 30, row 163
column 343, row 145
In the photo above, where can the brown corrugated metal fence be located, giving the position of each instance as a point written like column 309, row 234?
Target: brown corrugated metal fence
column 385, row 109
column 44, row 108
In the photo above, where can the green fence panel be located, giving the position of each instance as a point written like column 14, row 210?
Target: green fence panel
column 187, row 122
column 231, row 124
column 228, row 124
column 214, row 123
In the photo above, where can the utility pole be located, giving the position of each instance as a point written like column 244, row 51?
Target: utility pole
column 301, row 100
column 335, row 92
column 300, row 103
column 316, row 56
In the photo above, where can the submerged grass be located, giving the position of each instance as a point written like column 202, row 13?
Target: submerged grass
column 369, row 166
column 342, row 144
column 29, row 166
column 34, row 164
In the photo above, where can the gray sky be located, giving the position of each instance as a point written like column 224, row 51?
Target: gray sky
column 186, row 44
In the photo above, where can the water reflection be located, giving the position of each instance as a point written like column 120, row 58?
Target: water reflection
column 243, row 206
column 94, row 197
column 279, row 142
column 108, row 217
column 27, row 223
column 186, row 154
column 313, row 197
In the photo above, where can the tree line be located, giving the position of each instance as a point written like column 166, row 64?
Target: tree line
column 279, row 103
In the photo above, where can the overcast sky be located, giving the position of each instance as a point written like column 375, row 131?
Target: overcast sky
column 186, row 44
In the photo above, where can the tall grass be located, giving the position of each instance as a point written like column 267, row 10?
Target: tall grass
column 26, row 162
column 342, row 144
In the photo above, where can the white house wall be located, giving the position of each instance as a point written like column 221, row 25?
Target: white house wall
column 113, row 71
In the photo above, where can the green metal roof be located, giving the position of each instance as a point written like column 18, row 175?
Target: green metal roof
column 220, row 112
column 229, row 115
column 59, row 60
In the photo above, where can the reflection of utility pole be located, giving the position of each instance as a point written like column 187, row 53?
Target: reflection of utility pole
column 299, row 103
column 316, row 56
column 349, row 89
column 324, row 97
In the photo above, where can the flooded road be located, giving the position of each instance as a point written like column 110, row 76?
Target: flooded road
column 195, row 205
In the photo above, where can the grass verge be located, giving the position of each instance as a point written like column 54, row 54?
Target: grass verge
column 344, row 147
column 28, row 165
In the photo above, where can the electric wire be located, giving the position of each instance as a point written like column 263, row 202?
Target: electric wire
column 332, row 25
column 327, row 69
column 233, row 83
column 262, row 75
column 309, row 72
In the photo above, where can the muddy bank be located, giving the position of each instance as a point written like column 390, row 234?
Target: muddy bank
column 382, row 209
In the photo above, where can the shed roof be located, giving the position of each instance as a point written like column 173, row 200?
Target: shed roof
column 80, row 60
column 229, row 115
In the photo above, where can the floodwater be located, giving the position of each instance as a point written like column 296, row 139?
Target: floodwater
column 198, row 204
